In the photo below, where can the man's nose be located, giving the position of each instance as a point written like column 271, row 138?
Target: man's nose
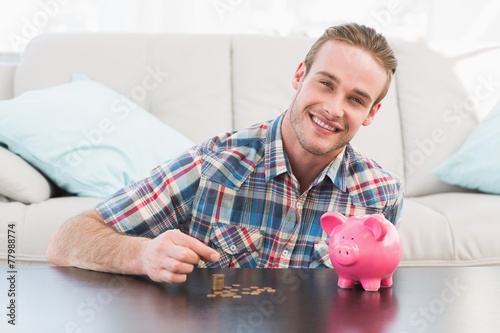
column 334, row 107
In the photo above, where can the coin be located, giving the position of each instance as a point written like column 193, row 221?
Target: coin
column 234, row 290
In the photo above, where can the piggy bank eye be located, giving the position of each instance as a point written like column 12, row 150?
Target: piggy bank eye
column 352, row 238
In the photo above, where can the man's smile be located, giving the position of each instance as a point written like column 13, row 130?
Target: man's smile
column 322, row 124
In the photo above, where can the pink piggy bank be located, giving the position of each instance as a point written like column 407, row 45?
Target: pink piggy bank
column 364, row 248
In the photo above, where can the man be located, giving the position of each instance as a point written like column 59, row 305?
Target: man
column 253, row 198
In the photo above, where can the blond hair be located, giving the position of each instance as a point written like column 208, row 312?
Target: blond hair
column 367, row 39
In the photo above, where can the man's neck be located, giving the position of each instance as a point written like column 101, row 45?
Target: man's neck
column 305, row 166
column 305, row 172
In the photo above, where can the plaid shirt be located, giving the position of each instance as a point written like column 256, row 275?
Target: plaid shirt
column 236, row 193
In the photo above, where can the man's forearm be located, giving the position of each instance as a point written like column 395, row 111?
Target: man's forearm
column 86, row 242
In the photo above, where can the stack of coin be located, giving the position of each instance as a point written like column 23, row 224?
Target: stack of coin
column 217, row 282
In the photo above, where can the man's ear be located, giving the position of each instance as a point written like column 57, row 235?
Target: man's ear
column 368, row 120
column 299, row 75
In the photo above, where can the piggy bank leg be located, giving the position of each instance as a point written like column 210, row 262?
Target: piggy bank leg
column 387, row 282
column 345, row 282
column 370, row 284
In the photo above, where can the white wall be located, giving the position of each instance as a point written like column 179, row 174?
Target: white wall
column 21, row 20
column 477, row 20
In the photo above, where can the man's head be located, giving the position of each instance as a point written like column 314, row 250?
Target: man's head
column 339, row 87
column 363, row 37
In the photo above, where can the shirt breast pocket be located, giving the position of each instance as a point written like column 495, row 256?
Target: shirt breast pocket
column 238, row 246
column 321, row 256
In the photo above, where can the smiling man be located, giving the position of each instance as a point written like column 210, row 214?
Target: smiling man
column 254, row 198
column 338, row 90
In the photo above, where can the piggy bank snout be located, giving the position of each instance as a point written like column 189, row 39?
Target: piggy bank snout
column 344, row 254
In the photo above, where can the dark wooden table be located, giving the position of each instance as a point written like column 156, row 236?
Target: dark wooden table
column 53, row 299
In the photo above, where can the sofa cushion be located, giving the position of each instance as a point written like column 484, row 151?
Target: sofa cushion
column 7, row 71
column 252, row 62
column 87, row 138
column 19, row 181
column 475, row 164
column 443, row 89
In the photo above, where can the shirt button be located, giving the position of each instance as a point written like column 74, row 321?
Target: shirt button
column 286, row 253
column 299, row 205
column 233, row 248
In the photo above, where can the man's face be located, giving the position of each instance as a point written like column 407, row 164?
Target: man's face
column 335, row 98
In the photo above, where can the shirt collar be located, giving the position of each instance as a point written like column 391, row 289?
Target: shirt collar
column 276, row 162
column 275, row 159
column 342, row 171
column 332, row 169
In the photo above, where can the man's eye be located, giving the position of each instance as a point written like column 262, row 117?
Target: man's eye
column 357, row 100
column 326, row 84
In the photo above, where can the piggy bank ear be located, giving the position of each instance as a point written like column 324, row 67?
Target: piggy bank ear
column 377, row 226
column 331, row 220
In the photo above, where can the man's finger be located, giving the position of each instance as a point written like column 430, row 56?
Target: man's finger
column 205, row 252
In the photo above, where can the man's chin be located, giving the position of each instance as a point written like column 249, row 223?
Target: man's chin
column 323, row 151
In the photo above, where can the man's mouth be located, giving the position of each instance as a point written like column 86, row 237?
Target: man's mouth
column 323, row 125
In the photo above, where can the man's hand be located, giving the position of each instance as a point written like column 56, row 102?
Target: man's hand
column 166, row 258
column 172, row 255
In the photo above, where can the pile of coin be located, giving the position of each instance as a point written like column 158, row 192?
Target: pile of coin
column 235, row 290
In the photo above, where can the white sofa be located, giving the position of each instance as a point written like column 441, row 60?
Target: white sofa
column 217, row 83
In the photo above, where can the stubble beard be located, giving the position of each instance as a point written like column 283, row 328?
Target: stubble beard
column 307, row 144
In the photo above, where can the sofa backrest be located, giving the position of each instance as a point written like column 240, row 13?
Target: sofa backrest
column 182, row 79
column 203, row 85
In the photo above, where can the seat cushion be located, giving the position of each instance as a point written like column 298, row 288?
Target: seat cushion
column 450, row 229
column 35, row 223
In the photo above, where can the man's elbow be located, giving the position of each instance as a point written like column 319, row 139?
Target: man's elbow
column 54, row 251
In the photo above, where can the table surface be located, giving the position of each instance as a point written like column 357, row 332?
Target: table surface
column 57, row 299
